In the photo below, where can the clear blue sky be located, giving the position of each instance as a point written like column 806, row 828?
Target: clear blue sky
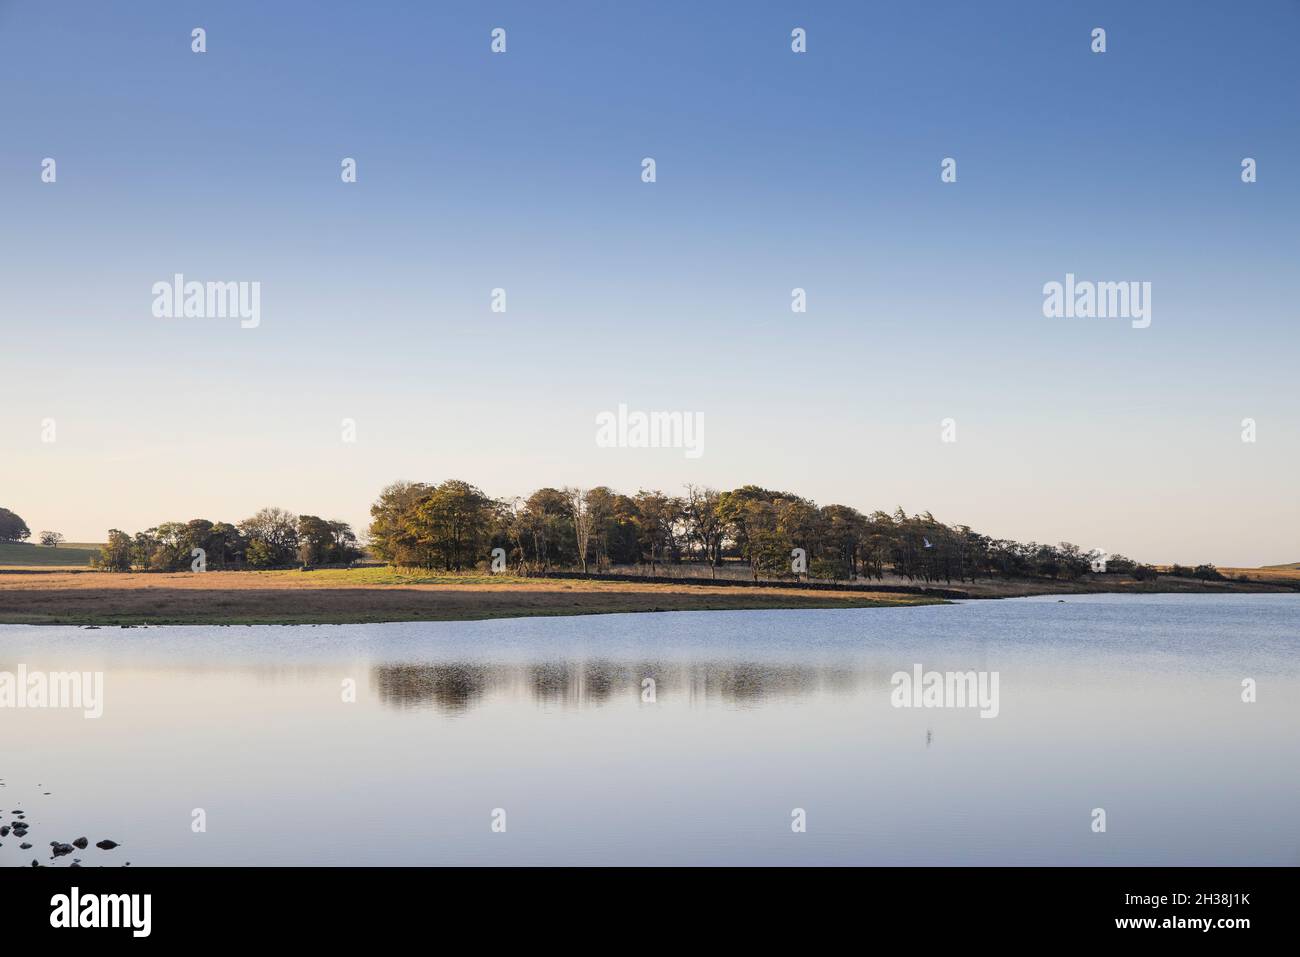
column 775, row 170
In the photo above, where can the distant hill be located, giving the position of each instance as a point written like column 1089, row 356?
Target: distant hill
column 24, row 553
column 1295, row 565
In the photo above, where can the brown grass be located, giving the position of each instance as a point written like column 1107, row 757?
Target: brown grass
column 61, row 597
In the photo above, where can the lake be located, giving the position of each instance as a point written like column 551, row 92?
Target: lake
column 1129, row 704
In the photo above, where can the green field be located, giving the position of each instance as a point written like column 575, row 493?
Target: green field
column 24, row 553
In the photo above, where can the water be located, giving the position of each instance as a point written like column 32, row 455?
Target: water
column 1127, row 703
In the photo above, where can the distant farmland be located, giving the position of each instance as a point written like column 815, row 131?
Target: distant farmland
column 24, row 553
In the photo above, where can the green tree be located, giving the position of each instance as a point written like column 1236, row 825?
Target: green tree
column 315, row 540
column 394, row 527
column 227, row 546
column 13, row 528
column 455, row 521
column 115, row 554
column 272, row 535
column 705, row 524
column 658, row 527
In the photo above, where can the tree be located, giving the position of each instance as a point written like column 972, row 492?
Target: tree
column 601, row 504
column 143, row 547
column 52, row 539
column 844, row 533
column 705, row 525
column 752, row 519
column 228, row 546
column 659, row 525
column 394, row 528
column 315, row 540
column 345, row 542
column 581, row 515
column 454, row 520
column 548, row 529
column 799, row 525
column 171, row 551
column 272, row 535
column 13, row 528
column 115, row 554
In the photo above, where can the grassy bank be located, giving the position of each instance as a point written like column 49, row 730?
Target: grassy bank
column 347, row 596
column 353, row 595
column 27, row 555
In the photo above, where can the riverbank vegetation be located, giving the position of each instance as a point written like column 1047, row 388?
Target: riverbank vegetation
column 272, row 538
column 455, row 526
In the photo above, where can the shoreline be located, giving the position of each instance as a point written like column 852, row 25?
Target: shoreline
column 345, row 597
column 376, row 595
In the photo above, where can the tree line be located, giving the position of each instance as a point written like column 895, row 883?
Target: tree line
column 272, row 538
column 454, row 526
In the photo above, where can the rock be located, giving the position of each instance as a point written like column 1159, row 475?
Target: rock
column 80, row 842
column 36, row 863
column 24, row 846
column 61, row 849
column 106, row 845
column 74, row 864
column 4, row 830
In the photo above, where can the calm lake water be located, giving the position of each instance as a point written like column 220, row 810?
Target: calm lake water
column 1126, row 703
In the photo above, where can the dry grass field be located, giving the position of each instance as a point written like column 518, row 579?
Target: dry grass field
column 1284, row 574
column 368, row 595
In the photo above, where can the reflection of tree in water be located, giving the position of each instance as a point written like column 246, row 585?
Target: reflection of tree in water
column 451, row 687
column 591, row 682
column 745, row 682
column 457, row 687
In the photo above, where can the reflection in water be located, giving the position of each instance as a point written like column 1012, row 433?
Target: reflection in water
column 454, row 687
column 457, row 687
column 754, row 713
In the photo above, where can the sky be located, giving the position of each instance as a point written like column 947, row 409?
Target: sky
column 774, row 170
